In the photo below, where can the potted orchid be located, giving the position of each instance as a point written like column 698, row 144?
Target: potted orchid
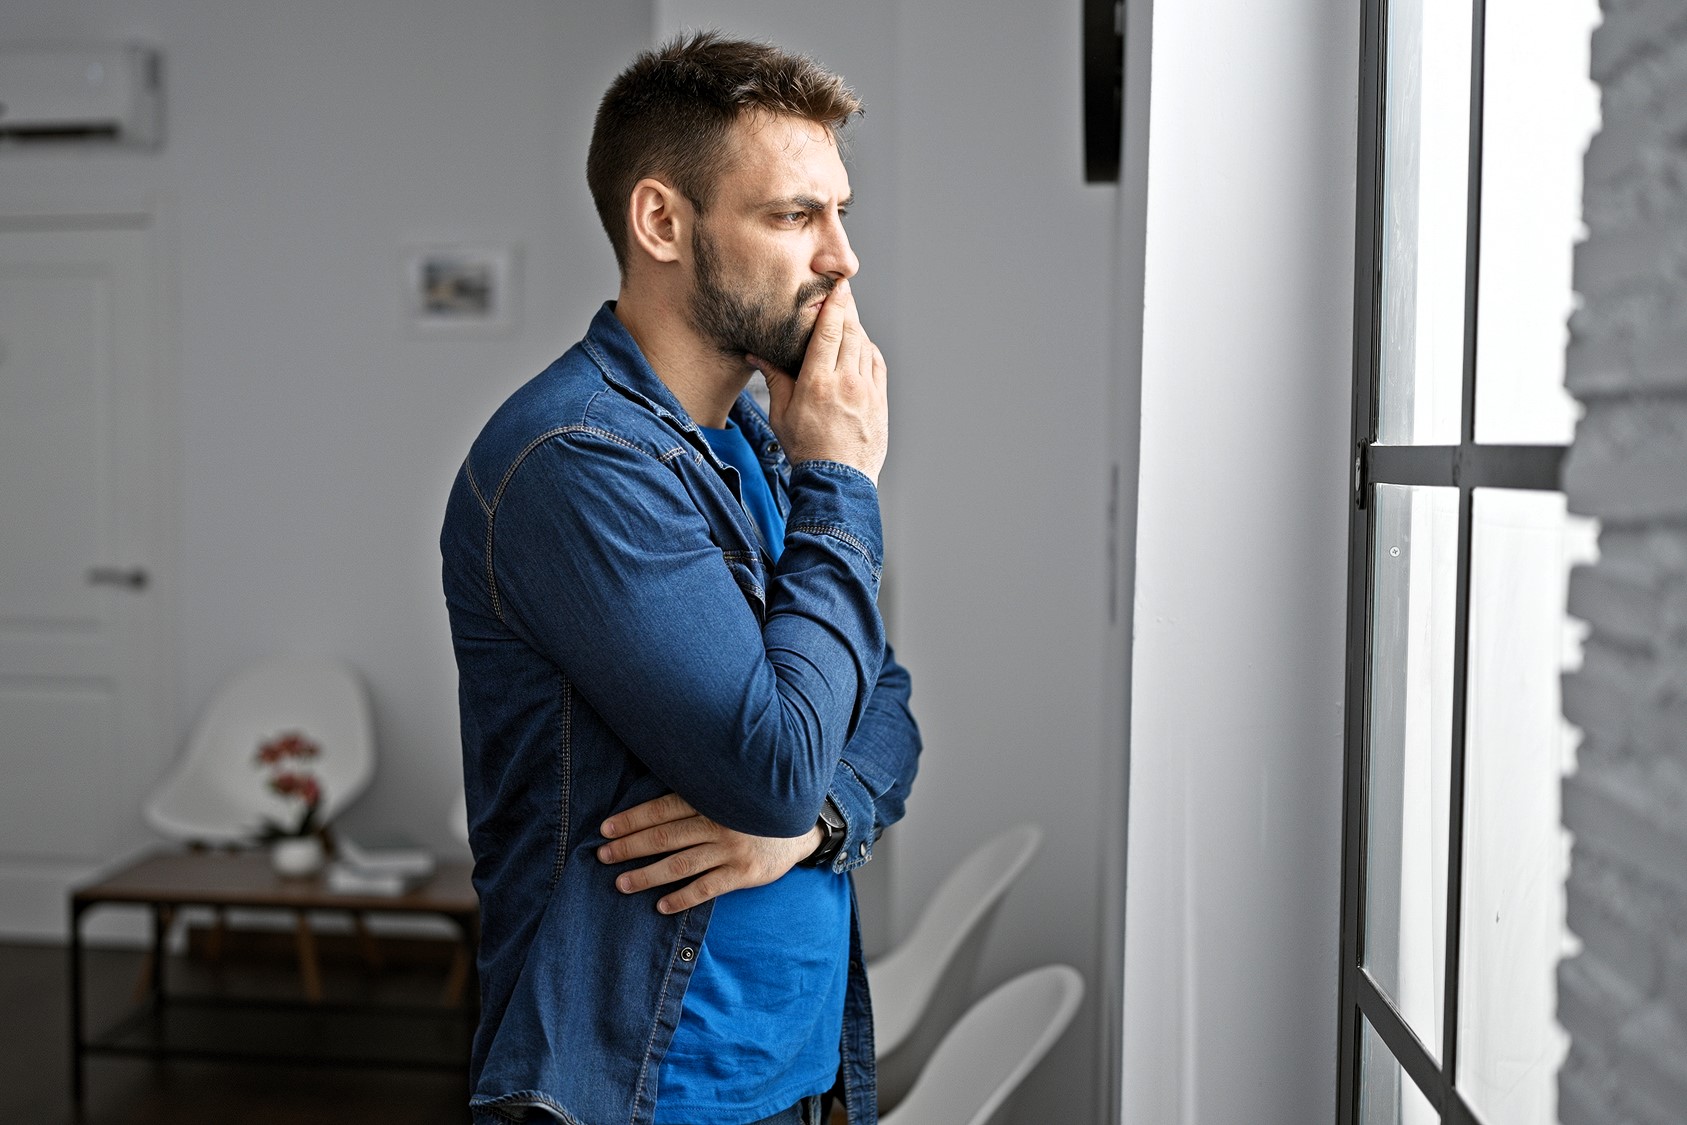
column 297, row 844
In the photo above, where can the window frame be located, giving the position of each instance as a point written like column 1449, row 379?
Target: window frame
column 1466, row 467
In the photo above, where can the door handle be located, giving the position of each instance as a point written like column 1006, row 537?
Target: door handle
column 130, row 578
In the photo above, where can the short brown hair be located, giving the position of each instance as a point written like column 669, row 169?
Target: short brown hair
column 671, row 112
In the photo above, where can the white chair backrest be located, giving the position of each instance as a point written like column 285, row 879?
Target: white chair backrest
column 457, row 818
column 988, row 1053
column 216, row 794
column 903, row 980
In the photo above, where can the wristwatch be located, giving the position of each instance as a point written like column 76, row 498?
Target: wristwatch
column 832, row 831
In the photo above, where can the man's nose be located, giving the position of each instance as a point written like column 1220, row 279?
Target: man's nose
column 835, row 259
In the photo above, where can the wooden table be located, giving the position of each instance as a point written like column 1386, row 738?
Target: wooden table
column 168, row 881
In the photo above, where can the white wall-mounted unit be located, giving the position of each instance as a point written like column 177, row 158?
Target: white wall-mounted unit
column 80, row 94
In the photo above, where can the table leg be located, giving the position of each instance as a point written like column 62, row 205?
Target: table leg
column 461, row 974
column 464, row 978
column 78, row 1084
column 367, row 946
column 149, row 983
column 457, row 979
column 308, row 967
column 214, row 940
column 162, row 916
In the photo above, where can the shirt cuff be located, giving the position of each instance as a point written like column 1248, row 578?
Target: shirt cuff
column 836, row 500
column 860, row 828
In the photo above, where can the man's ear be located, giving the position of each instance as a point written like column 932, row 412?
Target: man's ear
column 658, row 219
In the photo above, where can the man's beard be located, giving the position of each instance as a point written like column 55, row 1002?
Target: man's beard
column 738, row 324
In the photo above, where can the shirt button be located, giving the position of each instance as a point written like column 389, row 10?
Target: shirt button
column 772, row 447
column 687, row 953
column 861, row 849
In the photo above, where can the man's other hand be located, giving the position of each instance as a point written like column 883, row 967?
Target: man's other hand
column 837, row 409
column 715, row 859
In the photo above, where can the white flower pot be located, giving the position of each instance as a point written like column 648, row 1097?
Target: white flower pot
column 297, row 856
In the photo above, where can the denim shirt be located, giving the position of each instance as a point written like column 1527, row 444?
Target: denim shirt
column 621, row 632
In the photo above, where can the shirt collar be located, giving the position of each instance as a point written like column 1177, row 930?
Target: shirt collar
column 617, row 354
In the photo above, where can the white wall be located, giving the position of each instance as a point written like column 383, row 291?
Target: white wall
column 1005, row 266
column 1236, row 732
column 987, row 275
column 306, row 143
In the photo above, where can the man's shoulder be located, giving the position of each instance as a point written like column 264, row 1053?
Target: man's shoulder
column 573, row 397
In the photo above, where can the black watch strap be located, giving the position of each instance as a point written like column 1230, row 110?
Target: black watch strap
column 833, row 830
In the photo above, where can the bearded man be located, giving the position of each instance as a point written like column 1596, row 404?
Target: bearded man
column 682, row 727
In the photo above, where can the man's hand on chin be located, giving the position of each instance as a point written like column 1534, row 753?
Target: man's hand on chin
column 838, row 410
column 715, row 859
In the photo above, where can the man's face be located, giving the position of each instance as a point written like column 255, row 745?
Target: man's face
column 772, row 244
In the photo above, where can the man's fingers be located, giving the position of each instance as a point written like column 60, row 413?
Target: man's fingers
column 663, row 809
column 723, row 861
column 779, row 385
column 872, row 364
column 670, row 869
column 659, row 839
column 852, row 348
column 696, row 893
column 828, row 335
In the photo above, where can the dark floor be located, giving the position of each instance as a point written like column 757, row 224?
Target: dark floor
column 35, row 1045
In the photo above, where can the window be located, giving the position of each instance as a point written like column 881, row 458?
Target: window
column 1474, row 117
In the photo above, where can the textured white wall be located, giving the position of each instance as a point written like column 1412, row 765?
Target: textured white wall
column 1236, row 728
column 1623, row 998
column 306, row 143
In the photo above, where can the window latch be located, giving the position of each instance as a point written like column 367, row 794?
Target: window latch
column 1361, row 474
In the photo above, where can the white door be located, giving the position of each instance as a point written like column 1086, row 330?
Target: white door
column 86, row 657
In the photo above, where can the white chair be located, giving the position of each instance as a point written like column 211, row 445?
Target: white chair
column 989, row 1052
column 457, row 818
column 921, row 987
column 215, row 795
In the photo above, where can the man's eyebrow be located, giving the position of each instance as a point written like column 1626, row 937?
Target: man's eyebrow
column 805, row 203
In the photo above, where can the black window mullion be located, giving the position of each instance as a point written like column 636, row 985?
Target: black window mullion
column 1458, row 1111
column 1367, row 290
column 1455, row 817
column 1356, row 815
column 1402, row 1042
column 1538, row 467
column 1461, row 617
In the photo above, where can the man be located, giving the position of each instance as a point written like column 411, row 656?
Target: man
column 682, row 727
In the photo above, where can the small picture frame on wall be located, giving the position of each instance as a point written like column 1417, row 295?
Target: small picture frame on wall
column 456, row 287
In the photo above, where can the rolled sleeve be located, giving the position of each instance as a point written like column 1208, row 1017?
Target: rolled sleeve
column 872, row 782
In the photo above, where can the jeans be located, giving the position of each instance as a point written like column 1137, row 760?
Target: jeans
column 805, row 1112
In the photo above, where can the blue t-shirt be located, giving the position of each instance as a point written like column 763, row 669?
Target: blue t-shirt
column 762, row 1016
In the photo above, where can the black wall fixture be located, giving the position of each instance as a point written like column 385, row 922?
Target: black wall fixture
column 1104, row 88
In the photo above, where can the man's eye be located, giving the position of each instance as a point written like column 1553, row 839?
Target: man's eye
column 793, row 216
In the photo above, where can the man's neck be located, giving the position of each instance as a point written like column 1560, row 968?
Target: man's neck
column 706, row 382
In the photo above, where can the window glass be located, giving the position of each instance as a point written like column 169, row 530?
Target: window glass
column 1425, row 191
column 1386, row 1095
column 1516, row 854
column 1415, row 558
column 1539, row 110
